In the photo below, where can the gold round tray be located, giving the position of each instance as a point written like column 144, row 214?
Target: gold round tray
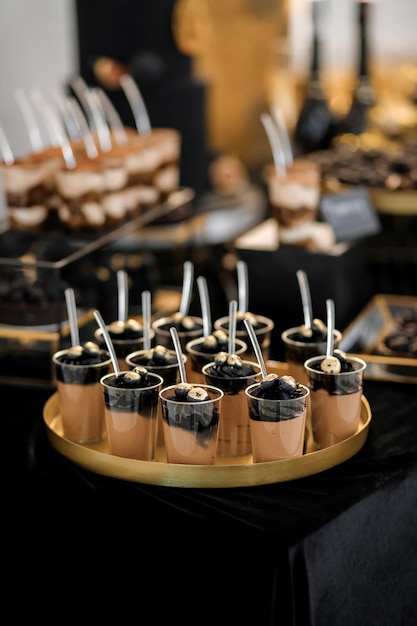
column 227, row 472
column 398, row 202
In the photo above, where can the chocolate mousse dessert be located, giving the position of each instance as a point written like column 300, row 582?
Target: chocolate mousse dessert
column 302, row 342
column 126, row 337
column 188, row 327
column 336, row 384
column 232, row 375
column 262, row 326
column 277, row 415
column 203, row 350
column 131, row 402
column 191, row 415
column 78, row 371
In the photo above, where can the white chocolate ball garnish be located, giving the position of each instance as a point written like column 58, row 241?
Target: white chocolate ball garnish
column 330, row 365
column 220, row 335
column 133, row 374
column 320, row 325
column 198, row 393
column 290, row 380
column 91, row 346
column 306, row 331
column 269, row 377
column 188, row 322
column 116, row 327
column 75, row 350
column 221, row 358
column 133, row 324
column 210, row 341
column 234, row 360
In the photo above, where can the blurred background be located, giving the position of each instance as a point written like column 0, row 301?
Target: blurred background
column 249, row 54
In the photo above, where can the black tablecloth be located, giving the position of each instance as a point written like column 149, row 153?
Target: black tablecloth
column 338, row 547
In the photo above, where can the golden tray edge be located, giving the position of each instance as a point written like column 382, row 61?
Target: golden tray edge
column 230, row 472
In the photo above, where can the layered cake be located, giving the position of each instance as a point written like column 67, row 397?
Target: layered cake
column 97, row 193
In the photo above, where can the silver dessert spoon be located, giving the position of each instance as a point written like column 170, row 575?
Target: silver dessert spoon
column 243, row 286
column 256, row 347
column 72, row 316
column 232, row 325
column 123, row 296
column 108, row 341
column 146, row 318
column 187, row 287
column 330, row 327
column 178, row 352
column 305, row 298
column 205, row 305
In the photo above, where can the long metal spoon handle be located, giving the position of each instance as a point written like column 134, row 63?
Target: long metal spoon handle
column 330, row 327
column 123, row 295
column 137, row 104
column 178, row 351
column 108, row 341
column 276, row 146
column 146, row 317
column 305, row 297
column 243, row 286
column 256, row 347
column 72, row 316
column 232, row 325
column 205, row 305
column 187, row 288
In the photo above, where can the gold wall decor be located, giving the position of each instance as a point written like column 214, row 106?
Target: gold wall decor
column 235, row 47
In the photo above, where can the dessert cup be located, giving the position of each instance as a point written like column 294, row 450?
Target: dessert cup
column 80, row 396
column 197, row 357
column 188, row 328
column 169, row 372
column 122, row 346
column 335, row 401
column 131, row 415
column 299, row 348
column 234, row 429
column 263, row 327
column 191, row 429
column 277, row 426
column 295, row 197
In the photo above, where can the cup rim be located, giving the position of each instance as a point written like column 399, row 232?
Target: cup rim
column 56, row 361
column 355, row 359
column 269, row 324
column 164, row 320
column 190, row 346
column 286, row 339
column 99, row 333
column 137, row 352
column 207, row 365
column 160, row 380
column 219, row 392
column 306, row 394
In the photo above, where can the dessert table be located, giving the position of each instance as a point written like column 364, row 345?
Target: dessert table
column 336, row 547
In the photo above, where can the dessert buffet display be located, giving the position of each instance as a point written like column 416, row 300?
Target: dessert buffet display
column 227, row 471
column 250, row 422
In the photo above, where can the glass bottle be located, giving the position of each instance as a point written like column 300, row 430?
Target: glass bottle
column 357, row 119
column 314, row 126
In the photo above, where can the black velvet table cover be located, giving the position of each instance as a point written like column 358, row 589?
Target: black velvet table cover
column 338, row 547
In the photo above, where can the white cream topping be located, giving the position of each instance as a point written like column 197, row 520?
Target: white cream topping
column 293, row 196
column 75, row 183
